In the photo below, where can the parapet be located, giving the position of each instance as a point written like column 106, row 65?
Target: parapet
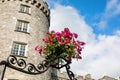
column 40, row 4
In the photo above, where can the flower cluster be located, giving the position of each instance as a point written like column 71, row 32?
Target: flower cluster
column 62, row 44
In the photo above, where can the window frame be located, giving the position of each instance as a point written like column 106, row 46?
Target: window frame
column 25, row 9
column 22, row 26
column 16, row 51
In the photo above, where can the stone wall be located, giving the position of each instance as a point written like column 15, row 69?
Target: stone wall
column 64, row 76
column 38, row 25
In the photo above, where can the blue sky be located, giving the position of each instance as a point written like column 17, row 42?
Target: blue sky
column 97, row 22
column 94, row 11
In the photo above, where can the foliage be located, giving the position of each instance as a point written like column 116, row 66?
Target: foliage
column 62, row 44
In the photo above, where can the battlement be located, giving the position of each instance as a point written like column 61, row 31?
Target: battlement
column 40, row 4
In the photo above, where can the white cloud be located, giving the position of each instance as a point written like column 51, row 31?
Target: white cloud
column 117, row 32
column 112, row 10
column 102, row 24
column 113, row 7
column 67, row 16
column 100, row 55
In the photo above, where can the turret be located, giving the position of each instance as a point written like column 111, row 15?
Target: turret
column 23, row 25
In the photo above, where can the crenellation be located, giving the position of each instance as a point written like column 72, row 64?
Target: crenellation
column 45, row 3
column 48, row 12
column 27, row 1
column 41, row 5
column 45, row 12
column 42, row 8
column 38, row 5
column 33, row 2
column 3, row 0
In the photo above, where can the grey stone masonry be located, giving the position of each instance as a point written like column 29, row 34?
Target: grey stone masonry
column 38, row 19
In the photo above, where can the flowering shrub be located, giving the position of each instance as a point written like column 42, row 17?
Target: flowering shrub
column 62, row 44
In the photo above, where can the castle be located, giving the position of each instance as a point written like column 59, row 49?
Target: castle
column 64, row 76
column 23, row 24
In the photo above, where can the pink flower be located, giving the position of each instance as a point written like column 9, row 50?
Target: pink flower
column 73, row 41
column 66, row 30
column 40, row 51
column 52, row 31
column 58, row 33
column 48, row 33
column 67, row 33
column 58, row 36
column 67, row 40
column 78, row 42
column 37, row 48
column 51, row 42
column 46, row 40
column 75, row 44
column 79, row 50
column 64, row 42
column 75, row 35
column 82, row 43
column 79, row 57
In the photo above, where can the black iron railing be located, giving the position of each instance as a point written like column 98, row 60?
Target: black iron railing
column 29, row 68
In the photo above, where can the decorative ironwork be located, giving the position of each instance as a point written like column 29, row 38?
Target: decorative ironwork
column 21, row 65
column 70, row 73
column 29, row 68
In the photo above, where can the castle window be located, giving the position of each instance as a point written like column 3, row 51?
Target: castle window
column 19, row 49
column 25, row 9
column 22, row 26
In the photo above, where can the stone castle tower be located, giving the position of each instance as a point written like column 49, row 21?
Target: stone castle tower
column 23, row 24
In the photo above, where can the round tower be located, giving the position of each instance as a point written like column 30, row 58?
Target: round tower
column 23, row 24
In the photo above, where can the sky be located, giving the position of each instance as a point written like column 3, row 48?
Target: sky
column 97, row 22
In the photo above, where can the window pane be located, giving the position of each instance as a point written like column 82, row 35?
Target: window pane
column 18, row 49
column 22, row 26
column 15, row 49
column 19, row 26
column 25, row 27
column 22, row 50
column 24, row 9
column 27, row 10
